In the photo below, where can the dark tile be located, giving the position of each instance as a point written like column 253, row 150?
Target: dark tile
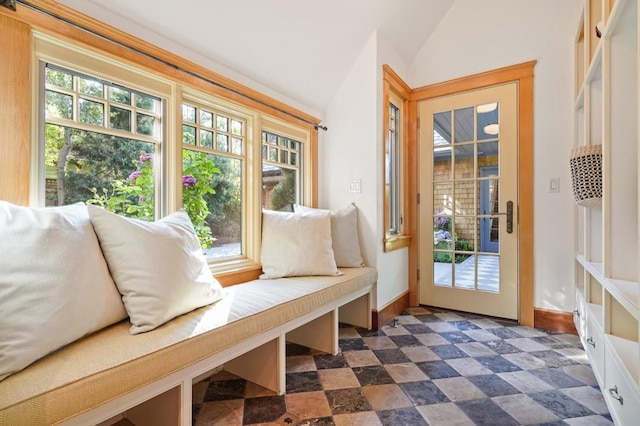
column 304, row 381
column 506, row 323
column 492, row 385
column 423, row 393
column 329, row 361
column 560, row 404
column 418, row 328
column 553, row 359
column 369, row 333
column 457, row 337
column 372, row 375
column 263, row 410
column 221, row 390
column 464, row 325
column 405, row 340
column 320, row 421
column 293, row 349
column 448, row 352
column 428, row 318
column 342, row 401
column 504, row 333
column 501, row 347
column 497, row 364
column 486, row 412
column 437, row 369
column 401, row 416
column 556, row 378
column 391, row 356
column 347, row 345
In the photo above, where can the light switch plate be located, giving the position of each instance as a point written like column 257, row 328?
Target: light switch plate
column 355, row 185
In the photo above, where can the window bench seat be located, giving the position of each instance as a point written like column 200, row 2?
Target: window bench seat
column 150, row 375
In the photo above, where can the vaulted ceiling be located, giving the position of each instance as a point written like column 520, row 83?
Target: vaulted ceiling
column 301, row 49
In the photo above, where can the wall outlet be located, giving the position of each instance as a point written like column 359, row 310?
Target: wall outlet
column 554, row 185
column 355, row 185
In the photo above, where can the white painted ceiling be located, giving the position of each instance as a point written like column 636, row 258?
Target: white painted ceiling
column 301, row 49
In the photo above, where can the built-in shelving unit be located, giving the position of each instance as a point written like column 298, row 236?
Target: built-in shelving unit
column 607, row 313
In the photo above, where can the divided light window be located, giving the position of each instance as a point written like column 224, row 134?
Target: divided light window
column 393, row 169
column 213, row 160
column 100, row 142
column 282, row 174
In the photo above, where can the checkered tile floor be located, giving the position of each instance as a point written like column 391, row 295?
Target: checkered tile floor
column 436, row 367
column 488, row 273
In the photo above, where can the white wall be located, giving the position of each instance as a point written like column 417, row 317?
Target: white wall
column 348, row 149
column 479, row 36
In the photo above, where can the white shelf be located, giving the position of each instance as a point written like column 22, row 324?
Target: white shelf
column 595, row 312
column 627, row 353
column 625, row 292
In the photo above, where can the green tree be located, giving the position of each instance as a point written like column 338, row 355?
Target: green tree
column 283, row 195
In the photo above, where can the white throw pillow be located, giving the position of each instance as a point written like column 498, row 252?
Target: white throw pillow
column 54, row 283
column 159, row 266
column 296, row 244
column 344, row 234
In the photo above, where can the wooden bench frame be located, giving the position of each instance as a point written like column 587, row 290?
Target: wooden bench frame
column 259, row 359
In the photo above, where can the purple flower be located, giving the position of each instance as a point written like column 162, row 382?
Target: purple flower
column 142, row 199
column 134, row 175
column 188, row 181
column 145, row 156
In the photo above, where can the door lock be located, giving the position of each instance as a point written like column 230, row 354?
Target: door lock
column 509, row 214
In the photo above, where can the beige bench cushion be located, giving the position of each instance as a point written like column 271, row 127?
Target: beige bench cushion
column 112, row 362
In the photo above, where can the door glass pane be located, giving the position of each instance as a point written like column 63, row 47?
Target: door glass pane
column 488, row 273
column 442, row 163
column 442, row 199
column 442, row 129
column 465, row 274
column 464, row 130
column 464, row 163
column 442, row 268
column 488, row 121
column 464, row 197
column 487, row 156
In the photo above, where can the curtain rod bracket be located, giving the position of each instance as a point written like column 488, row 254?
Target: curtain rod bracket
column 9, row 4
column 321, row 127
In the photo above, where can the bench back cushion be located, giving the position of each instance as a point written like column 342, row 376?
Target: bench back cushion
column 54, row 283
column 159, row 267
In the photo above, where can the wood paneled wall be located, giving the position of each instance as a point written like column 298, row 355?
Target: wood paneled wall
column 15, row 107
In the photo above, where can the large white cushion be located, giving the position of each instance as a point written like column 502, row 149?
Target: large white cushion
column 54, row 283
column 344, row 235
column 159, row 267
column 296, row 244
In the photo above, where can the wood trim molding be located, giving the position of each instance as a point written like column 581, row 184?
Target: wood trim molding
column 398, row 83
column 561, row 322
column 237, row 93
column 523, row 75
column 15, row 107
column 392, row 310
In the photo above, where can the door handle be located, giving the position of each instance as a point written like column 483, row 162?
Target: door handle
column 509, row 214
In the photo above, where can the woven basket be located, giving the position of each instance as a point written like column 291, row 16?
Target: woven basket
column 586, row 175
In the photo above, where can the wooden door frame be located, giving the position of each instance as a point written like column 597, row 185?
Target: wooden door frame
column 523, row 75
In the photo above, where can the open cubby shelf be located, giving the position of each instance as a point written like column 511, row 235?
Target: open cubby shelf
column 607, row 281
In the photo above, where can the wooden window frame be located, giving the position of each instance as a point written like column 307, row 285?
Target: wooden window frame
column 23, row 23
column 395, row 91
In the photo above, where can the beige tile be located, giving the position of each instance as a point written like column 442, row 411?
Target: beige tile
column 223, row 375
column 338, row 378
column 199, row 390
column 379, row 342
column 221, row 413
column 408, row 319
column 419, row 353
column 524, row 409
column 360, row 358
column 308, row 405
column 253, row 390
column 395, row 331
column 417, row 310
column 459, row 389
column 401, row 373
column 348, row 333
column 450, row 316
column 386, row 397
column 446, row 414
column 365, row 418
column 468, row 367
column 299, row 363
column 431, row 339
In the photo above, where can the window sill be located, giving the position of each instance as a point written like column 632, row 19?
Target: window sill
column 395, row 242
column 236, row 272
